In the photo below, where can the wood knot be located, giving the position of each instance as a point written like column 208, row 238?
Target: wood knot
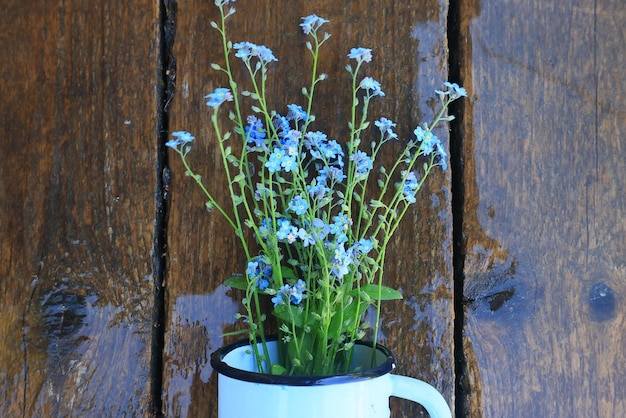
column 601, row 302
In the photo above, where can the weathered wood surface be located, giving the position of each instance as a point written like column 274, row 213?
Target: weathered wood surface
column 543, row 203
column 409, row 46
column 545, row 266
column 77, row 128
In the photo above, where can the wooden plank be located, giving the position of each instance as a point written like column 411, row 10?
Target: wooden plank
column 77, row 125
column 410, row 60
column 545, row 273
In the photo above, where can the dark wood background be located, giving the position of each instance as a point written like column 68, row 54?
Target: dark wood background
column 513, row 264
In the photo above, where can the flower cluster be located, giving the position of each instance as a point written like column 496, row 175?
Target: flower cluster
column 290, row 294
column 260, row 272
column 319, row 212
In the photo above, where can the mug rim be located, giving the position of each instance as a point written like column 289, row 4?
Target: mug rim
column 220, row 366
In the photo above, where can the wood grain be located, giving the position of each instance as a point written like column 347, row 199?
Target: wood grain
column 77, row 125
column 409, row 46
column 545, row 270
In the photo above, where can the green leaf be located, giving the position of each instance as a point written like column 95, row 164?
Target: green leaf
column 232, row 160
column 386, row 293
column 335, row 329
column 277, row 369
column 238, row 281
column 289, row 314
column 288, row 273
column 341, row 322
column 237, row 200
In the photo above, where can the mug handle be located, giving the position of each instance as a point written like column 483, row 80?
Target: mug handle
column 421, row 392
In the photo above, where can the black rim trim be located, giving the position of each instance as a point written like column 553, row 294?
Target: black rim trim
column 218, row 364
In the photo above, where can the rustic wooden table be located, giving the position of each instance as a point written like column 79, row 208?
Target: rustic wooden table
column 513, row 264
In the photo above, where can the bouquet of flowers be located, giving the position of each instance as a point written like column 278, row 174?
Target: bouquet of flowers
column 314, row 215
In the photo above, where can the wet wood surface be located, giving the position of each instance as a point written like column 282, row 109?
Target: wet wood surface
column 537, row 182
column 77, row 127
column 545, row 208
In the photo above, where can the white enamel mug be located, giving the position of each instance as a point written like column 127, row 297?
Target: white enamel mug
column 242, row 392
